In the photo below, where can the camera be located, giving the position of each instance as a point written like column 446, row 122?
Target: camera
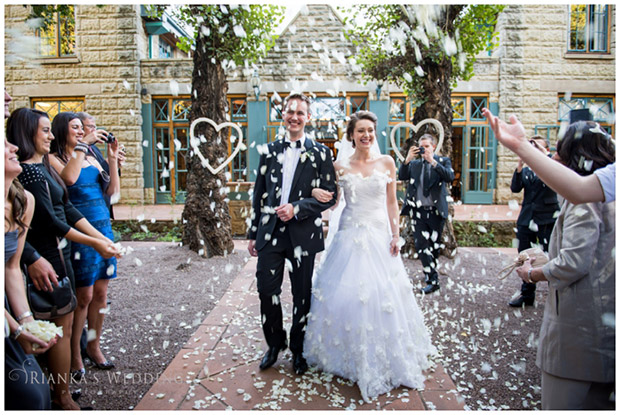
column 110, row 138
column 422, row 149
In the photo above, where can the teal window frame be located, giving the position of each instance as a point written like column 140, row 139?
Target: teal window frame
column 604, row 113
column 594, row 33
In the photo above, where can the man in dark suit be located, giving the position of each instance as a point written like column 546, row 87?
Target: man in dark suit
column 426, row 202
column 286, row 227
column 537, row 216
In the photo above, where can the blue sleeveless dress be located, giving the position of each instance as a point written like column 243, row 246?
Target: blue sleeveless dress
column 87, row 196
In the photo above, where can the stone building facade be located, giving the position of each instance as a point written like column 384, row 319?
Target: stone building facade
column 120, row 79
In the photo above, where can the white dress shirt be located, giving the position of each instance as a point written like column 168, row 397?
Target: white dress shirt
column 289, row 164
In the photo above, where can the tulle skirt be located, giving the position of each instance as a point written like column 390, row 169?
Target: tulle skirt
column 364, row 322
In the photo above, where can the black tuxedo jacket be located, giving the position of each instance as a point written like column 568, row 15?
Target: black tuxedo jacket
column 314, row 169
column 441, row 177
column 540, row 202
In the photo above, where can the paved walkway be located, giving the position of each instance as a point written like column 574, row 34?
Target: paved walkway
column 172, row 212
column 218, row 368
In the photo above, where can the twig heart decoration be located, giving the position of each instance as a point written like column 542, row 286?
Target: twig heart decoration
column 415, row 129
column 217, row 128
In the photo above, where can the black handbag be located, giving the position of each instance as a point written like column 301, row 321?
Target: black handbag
column 47, row 305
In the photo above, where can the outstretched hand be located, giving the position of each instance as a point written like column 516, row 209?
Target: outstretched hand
column 511, row 135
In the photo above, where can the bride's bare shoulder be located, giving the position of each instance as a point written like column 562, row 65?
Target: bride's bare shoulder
column 387, row 161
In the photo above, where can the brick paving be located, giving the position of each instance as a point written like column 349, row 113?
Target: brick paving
column 217, row 368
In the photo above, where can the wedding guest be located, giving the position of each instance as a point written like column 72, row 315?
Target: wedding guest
column 26, row 387
column 87, row 184
column 428, row 179
column 54, row 219
column 90, row 127
column 576, row 350
column 537, row 216
column 600, row 187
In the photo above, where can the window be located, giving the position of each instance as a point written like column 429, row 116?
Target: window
column 589, row 28
column 56, row 105
column 329, row 117
column 170, row 148
column 165, row 50
column 56, row 36
column 601, row 107
column 171, row 145
column 238, row 110
column 401, row 109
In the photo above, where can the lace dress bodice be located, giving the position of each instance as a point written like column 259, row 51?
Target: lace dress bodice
column 365, row 200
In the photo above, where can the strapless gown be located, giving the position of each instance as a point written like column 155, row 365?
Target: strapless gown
column 364, row 322
column 86, row 194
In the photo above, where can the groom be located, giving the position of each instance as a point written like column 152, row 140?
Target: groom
column 286, row 228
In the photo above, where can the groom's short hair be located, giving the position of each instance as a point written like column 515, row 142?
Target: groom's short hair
column 298, row 96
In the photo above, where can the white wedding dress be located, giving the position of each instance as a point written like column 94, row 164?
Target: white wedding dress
column 364, row 322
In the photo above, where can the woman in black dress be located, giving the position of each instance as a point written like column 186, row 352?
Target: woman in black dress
column 25, row 385
column 54, row 224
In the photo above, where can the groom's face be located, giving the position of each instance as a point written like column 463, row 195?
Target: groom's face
column 295, row 117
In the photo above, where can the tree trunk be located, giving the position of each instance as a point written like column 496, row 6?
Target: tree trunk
column 438, row 105
column 206, row 218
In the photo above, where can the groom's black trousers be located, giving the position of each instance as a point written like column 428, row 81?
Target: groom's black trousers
column 269, row 277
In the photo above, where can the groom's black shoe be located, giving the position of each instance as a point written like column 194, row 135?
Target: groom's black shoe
column 299, row 364
column 271, row 357
column 430, row 287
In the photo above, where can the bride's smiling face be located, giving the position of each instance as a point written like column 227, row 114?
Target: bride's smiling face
column 364, row 134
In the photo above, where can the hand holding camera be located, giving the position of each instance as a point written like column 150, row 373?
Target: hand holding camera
column 97, row 136
column 109, row 138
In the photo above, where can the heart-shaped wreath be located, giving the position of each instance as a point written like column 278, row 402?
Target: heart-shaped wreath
column 415, row 129
column 217, row 128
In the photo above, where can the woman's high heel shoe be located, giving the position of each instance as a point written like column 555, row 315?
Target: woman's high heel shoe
column 107, row 365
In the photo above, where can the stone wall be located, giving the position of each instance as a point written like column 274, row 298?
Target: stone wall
column 524, row 75
column 104, row 71
column 535, row 68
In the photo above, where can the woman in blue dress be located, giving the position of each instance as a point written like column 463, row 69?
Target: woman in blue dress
column 87, row 182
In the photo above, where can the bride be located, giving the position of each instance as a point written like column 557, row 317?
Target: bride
column 364, row 323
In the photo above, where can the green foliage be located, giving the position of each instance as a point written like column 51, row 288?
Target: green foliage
column 132, row 231
column 398, row 43
column 483, row 234
column 47, row 13
column 237, row 33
